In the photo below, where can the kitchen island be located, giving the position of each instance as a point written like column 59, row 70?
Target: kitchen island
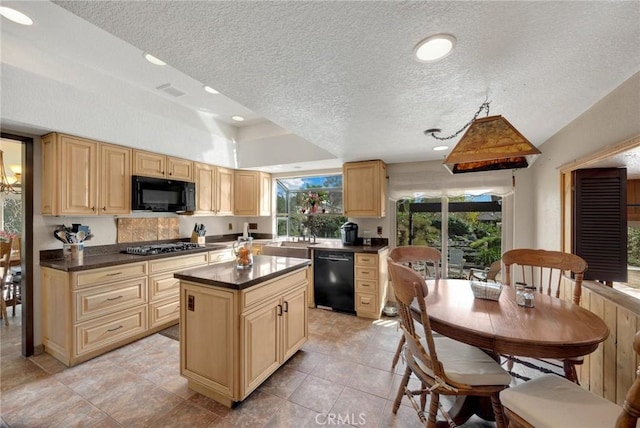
column 237, row 327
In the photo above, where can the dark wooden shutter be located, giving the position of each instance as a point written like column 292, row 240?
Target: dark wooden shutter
column 600, row 222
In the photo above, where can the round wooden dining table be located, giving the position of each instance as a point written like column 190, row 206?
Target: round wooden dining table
column 553, row 328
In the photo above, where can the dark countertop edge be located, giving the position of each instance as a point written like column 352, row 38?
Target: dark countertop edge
column 373, row 249
column 199, row 280
column 115, row 259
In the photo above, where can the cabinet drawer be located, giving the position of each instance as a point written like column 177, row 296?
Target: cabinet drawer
column 96, row 334
column 366, row 272
column 366, row 302
column 261, row 293
column 108, row 274
column 219, row 256
column 366, row 260
column 164, row 311
column 97, row 301
column 163, row 286
column 177, row 263
column 367, row 286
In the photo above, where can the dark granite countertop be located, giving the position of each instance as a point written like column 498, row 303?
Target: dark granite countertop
column 338, row 246
column 228, row 276
column 113, row 259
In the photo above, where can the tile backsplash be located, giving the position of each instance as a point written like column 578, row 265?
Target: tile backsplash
column 147, row 229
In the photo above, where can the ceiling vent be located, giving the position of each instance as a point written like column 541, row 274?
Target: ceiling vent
column 490, row 144
column 171, row 90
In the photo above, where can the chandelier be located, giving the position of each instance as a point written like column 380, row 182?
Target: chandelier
column 490, row 143
column 9, row 185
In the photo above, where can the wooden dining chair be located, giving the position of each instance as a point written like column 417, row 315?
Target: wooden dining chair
column 14, row 278
column 488, row 274
column 552, row 401
column 443, row 366
column 422, row 259
column 5, row 265
column 456, row 263
column 545, row 271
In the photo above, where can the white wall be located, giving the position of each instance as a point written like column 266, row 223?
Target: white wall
column 36, row 104
column 612, row 120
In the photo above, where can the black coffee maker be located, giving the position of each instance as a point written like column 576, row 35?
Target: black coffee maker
column 349, row 232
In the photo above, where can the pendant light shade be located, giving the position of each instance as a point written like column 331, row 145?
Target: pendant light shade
column 491, row 143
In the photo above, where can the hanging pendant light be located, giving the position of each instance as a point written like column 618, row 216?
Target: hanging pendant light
column 491, row 143
column 7, row 185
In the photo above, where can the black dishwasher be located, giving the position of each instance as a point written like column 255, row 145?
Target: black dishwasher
column 333, row 283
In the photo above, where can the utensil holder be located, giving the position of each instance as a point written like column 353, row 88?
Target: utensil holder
column 197, row 239
column 73, row 252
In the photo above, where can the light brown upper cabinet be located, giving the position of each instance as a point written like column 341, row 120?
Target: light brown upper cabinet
column 156, row 165
column 252, row 193
column 74, row 169
column 214, row 189
column 364, row 189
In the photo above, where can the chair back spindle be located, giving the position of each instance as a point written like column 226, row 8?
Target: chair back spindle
column 544, row 270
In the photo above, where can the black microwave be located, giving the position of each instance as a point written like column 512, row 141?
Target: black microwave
column 162, row 195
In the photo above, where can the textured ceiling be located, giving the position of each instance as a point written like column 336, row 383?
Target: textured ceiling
column 341, row 74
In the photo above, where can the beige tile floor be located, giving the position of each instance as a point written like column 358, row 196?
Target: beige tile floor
column 344, row 369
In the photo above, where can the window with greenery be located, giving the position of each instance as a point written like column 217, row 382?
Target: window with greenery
column 310, row 206
column 474, row 226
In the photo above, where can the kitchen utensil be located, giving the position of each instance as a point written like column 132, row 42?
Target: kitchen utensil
column 61, row 236
column 80, row 235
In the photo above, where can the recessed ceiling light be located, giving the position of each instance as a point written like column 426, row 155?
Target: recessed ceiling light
column 237, row 118
column 15, row 16
column 434, row 48
column 440, row 148
column 210, row 89
column 153, row 60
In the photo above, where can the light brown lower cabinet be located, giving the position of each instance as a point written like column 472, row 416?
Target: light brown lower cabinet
column 235, row 339
column 90, row 312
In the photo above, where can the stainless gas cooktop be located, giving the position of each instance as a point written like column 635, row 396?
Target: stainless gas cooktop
column 147, row 250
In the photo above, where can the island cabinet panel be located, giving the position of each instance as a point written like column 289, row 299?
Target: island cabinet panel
column 261, row 344
column 294, row 323
column 209, row 321
column 234, row 339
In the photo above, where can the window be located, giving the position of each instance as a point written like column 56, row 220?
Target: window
column 310, row 206
column 473, row 229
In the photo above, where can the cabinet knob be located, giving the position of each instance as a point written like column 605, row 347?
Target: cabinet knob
column 171, row 173
column 93, row 209
column 104, row 208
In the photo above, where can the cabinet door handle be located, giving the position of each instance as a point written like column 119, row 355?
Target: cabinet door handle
column 93, row 208
column 114, row 274
column 115, row 298
column 286, row 306
column 114, row 329
column 104, row 208
column 279, row 310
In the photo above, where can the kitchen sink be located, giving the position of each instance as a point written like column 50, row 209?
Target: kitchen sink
column 293, row 244
column 277, row 250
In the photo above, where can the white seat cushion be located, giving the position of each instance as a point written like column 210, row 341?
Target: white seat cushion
column 467, row 364
column 554, row 402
